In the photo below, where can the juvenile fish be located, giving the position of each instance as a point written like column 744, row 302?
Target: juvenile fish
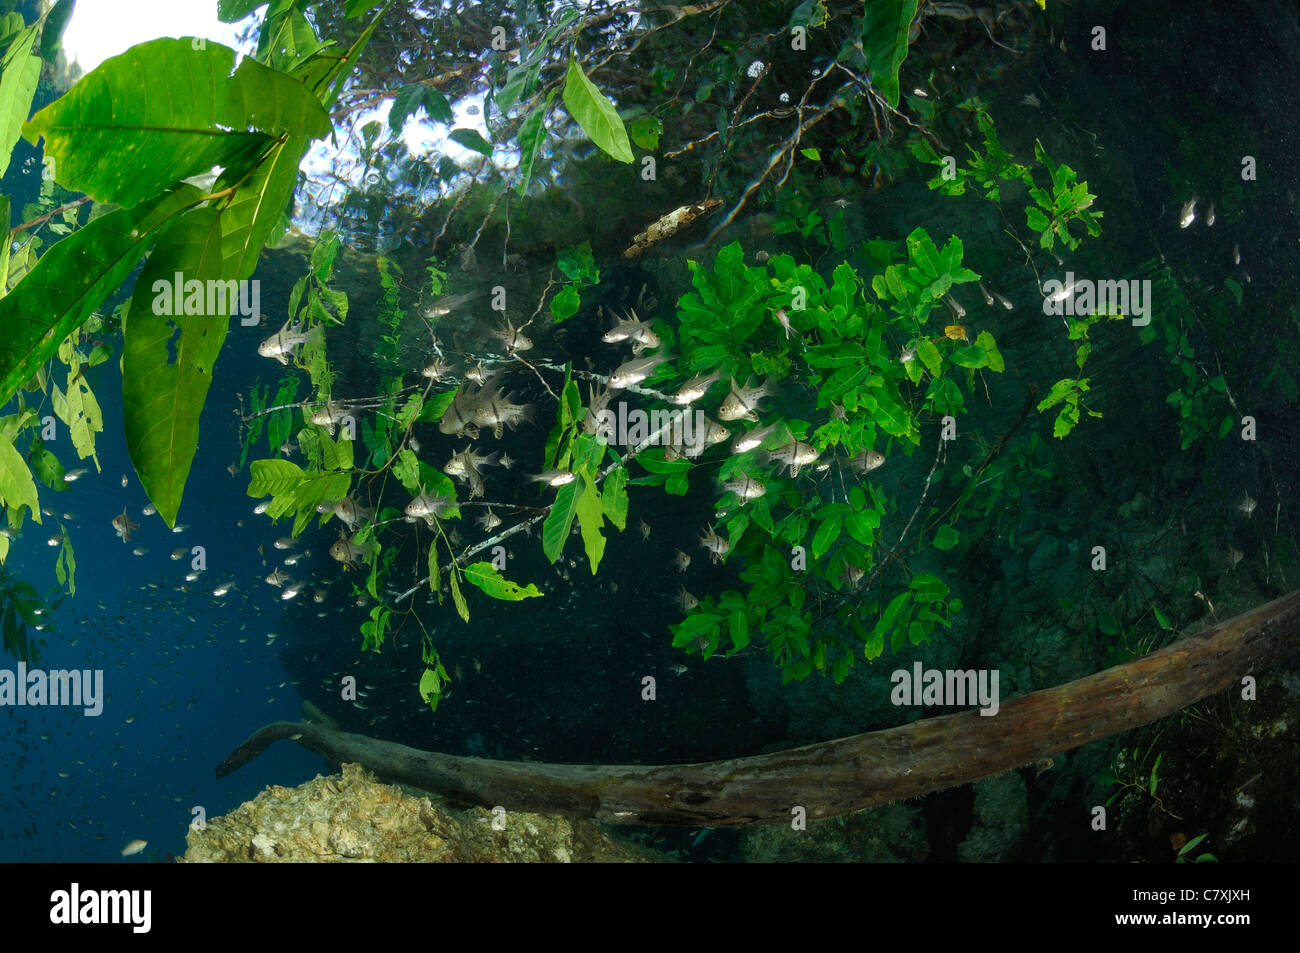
column 284, row 343
column 742, row 402
column 635, row 371
column 694, row 389
column 796, row 455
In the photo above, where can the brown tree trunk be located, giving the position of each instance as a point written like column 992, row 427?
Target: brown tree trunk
column 845, row 775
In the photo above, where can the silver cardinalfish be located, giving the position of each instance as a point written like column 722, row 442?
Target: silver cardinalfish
column 428, row 505
column 694, row 389
column 284, row 343
column 742, row 402
column 796, row 455
column 635, row 371
column 124, row 527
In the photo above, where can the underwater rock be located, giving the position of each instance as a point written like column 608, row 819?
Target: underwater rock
column 890, row 833
column 1001, row 819
column 356, row 818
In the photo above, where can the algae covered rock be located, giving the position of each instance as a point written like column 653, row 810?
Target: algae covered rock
column 353, row 817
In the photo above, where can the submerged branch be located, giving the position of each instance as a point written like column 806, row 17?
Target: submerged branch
column 842, row 776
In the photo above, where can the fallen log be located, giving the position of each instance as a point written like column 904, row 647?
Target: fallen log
column 841, row 776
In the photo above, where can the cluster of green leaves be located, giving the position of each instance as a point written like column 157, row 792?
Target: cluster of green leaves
column 569, row 448
column 1199, row 397
column 297, row 491
column 23, row 607
column 580, row 270
column 1067, row 393
column 988, row 168
column 109, row 140
column 845, row 349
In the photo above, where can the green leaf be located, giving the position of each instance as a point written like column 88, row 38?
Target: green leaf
column 430, row 686
column 885, row 28
column 1161, row 618
column 738, row 626
column 72, row 279
column 930, row 357
column 164, row 381
column 20, row 71
column 558, row 522
column 614, row 498
column 1036, row 219
column 593, row 111
column 645, row 132
column 972, row 355
column 827, row 533
column 17, row 488
column 566, row 303
column 471, row 139
column 591, row 516
column 118, row 146
column 532, row 133
column 945, row 538
column 52, row 33
column 486, row 577
column 435, row 573
column 462, row 607
column 994, row 356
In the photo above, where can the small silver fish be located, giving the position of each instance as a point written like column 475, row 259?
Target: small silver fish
column 552, row 477
column 744, row 487
column 428, row 505
column 283, row 344
column 73, row 476
column 1209, row 216
column 1247, row 505
column 754, row 438
column 796, row 455
column 284, row 542
column 685, row 601
column 436, row 370
column 867, row 460
column 277, row 578
column 742, row 402
column 694, row 389
column 329, row 415
column 178, row 554
column 124, row 527
column 716, row 546
column 514, row 340
column 489, row 520
column 681, row 560
column 134, row 847
column 635, row 371
column 957, row 309
column 988, row 297
column 1188, row 213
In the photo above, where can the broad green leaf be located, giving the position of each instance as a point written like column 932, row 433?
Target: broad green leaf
column 252, row 214
column 885, row 28
column 995, row 362
column 532, row 133
column 930, row 357
column 118, row 146
column 17, row 488
column 945, row 537
column 972, row 355
column 430, row 686
column 20, row 70
column 738, row 626
column 79, row 409
column 1161, row 618
column 274, row 477
column 164, row 381
column 614, row 498
column 593, row 111
column 591, row 516
column 558, row 522
column 486, row 577
column 827, row 533
column 471, row 139
column 72, row 279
